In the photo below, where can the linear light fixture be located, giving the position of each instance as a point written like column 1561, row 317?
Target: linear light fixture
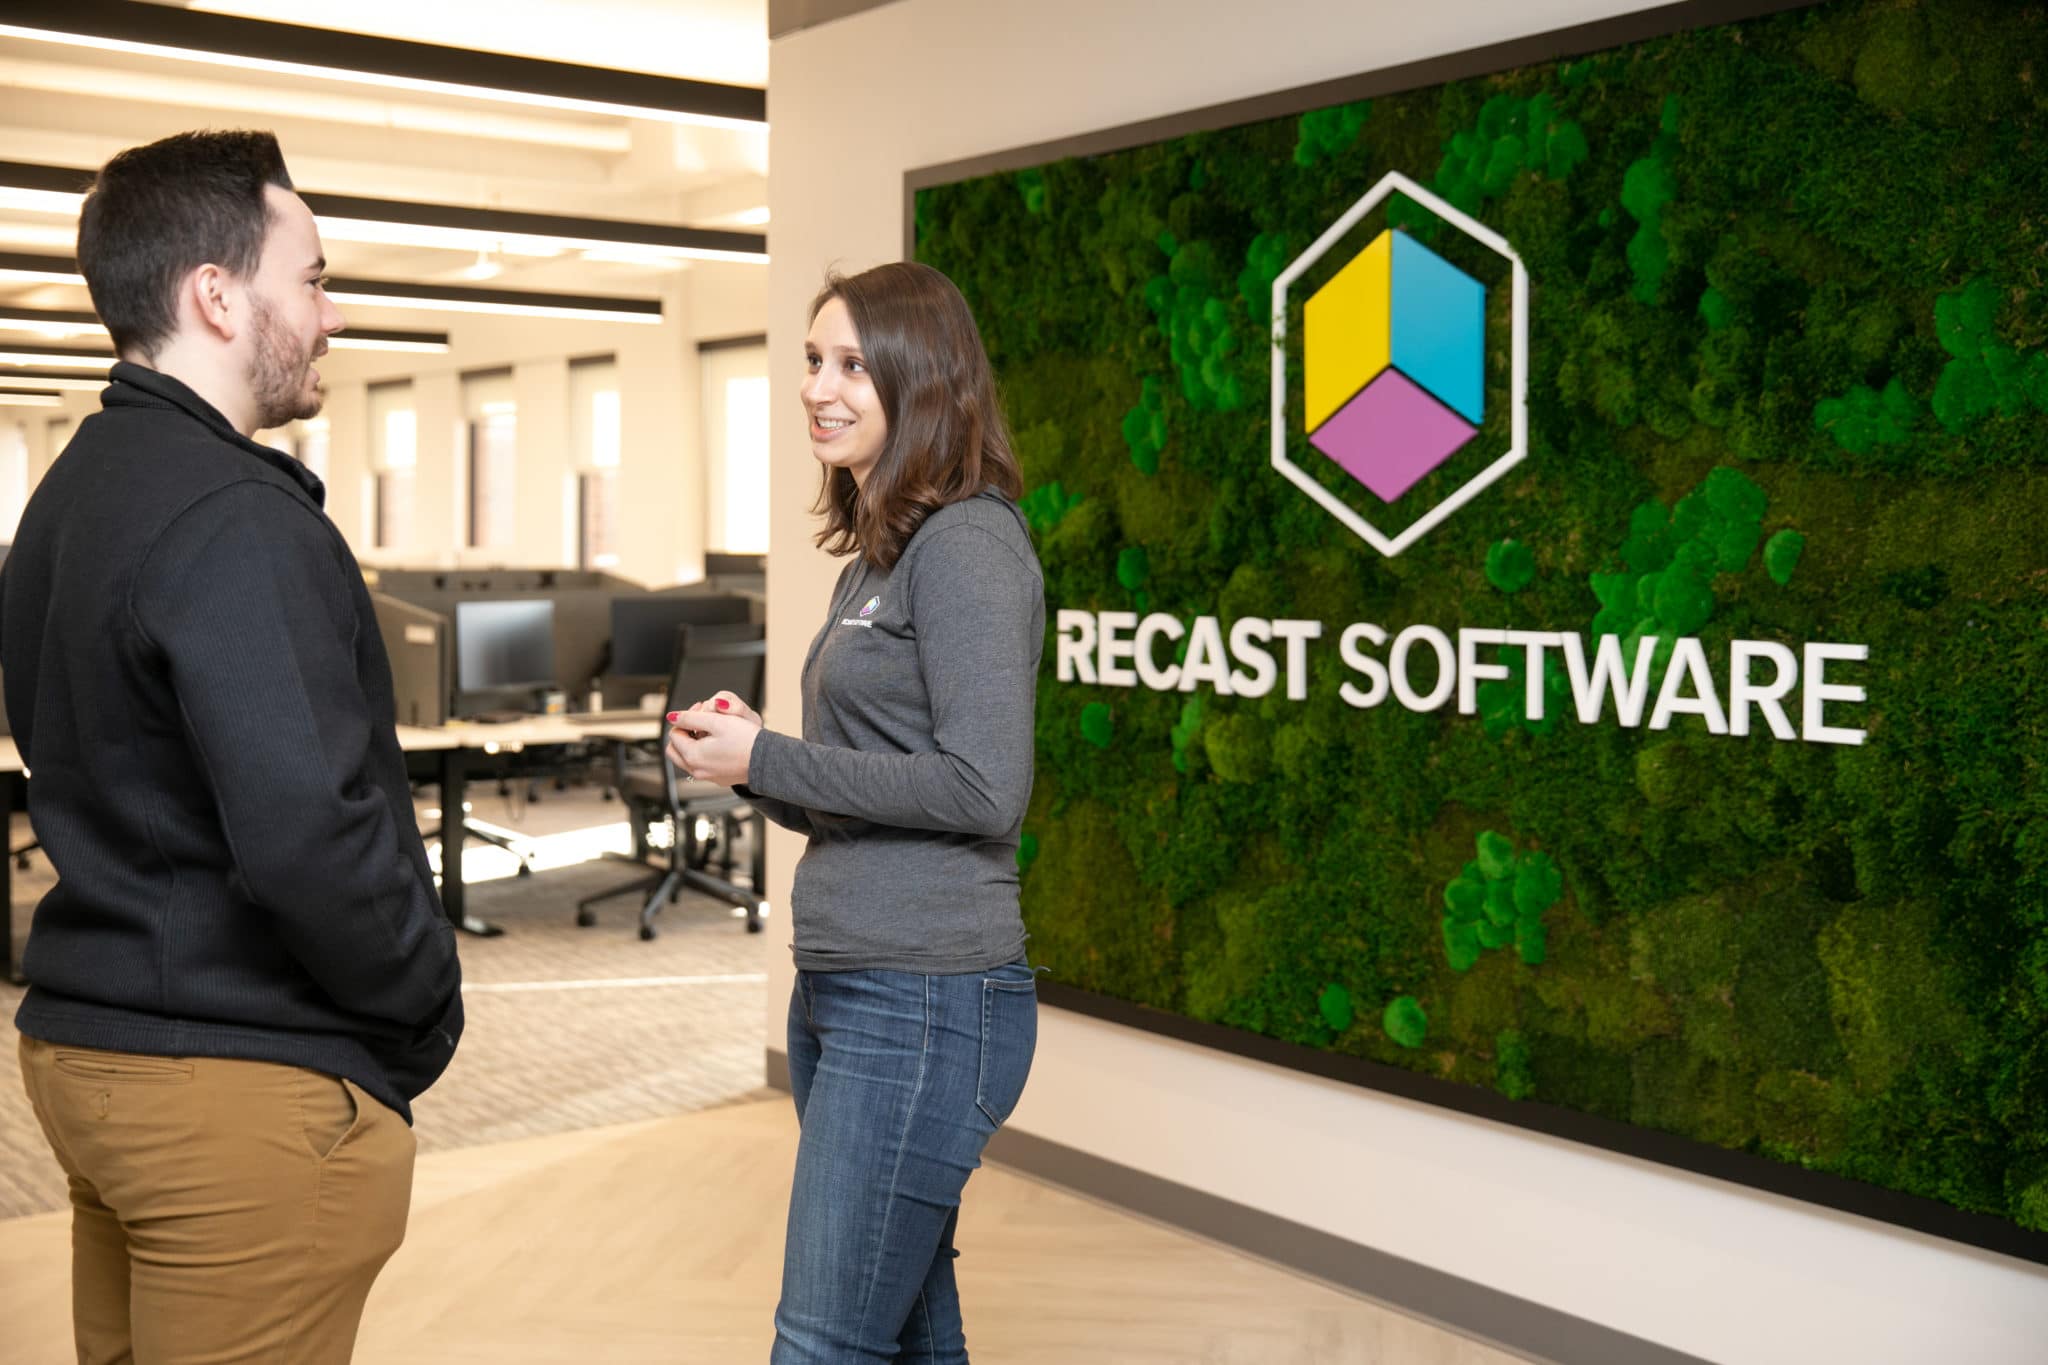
column 40, row 188
column 394, row 64
column 525, row 303
column 352, row 218
column 392, row 113
column 18, row 200
column 31, row 398
column 58, row 324
column 21, row 267
column 69, row 357
column 57, row 357
column 374, row 294
column 348, row 217
column 417, row 343
column 39, row 381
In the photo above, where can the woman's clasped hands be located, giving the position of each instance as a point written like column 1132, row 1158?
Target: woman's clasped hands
column 713, row 741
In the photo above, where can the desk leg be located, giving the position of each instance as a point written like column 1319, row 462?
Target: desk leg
column 7, row 781
column 453, row 892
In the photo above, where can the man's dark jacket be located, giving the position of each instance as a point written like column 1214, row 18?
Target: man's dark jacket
column 202, row 698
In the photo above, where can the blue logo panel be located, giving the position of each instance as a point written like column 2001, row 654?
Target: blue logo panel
column 1439, row 327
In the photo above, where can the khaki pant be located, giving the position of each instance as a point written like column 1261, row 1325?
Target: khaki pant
column 222, row 1211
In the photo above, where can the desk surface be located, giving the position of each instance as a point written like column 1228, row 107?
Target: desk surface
column 421, row 739
column 520, row 734
column 515, row 735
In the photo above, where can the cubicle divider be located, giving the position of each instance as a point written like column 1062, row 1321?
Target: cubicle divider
column 584, row 608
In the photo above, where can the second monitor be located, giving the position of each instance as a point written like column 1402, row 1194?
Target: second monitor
column 504, row 653
column 644, row 635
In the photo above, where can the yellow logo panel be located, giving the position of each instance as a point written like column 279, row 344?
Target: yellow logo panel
column 1347, row 331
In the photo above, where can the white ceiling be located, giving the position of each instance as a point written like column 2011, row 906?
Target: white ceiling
column 74, row 106
column 705, row 40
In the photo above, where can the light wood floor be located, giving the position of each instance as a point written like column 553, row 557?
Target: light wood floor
column 661, row 1242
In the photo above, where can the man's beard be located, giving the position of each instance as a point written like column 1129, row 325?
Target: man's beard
column 277, row 373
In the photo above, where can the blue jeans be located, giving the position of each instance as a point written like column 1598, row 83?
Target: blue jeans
column 900, row 1081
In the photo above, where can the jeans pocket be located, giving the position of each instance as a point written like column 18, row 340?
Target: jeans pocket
column 124, row 1068
column 1009, row 1036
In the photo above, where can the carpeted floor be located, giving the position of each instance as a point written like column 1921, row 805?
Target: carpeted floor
column 567, row 1028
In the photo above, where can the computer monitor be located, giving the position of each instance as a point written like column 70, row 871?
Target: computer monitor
column 644, row 635
column 736, row 572
column 504, row 653
column 416, row 641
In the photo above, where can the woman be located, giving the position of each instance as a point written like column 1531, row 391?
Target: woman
column 914, row 1017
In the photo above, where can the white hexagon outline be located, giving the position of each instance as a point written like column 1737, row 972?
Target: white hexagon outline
column 1518, row 377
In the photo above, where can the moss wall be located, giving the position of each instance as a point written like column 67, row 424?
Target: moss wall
column 1789, row 381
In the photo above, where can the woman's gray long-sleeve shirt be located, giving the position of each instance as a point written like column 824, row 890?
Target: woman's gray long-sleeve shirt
column 914, row 768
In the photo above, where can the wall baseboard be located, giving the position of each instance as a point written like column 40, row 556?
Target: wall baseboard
column 1457, row 1304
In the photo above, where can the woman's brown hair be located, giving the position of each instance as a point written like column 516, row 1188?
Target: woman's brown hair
column 946, row 438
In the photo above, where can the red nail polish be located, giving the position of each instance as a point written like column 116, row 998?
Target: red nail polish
column 722, row 704
column 674, row 716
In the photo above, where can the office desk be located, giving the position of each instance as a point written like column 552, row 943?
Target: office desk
column 445, row 747
column 446, row 751
column 11, row 772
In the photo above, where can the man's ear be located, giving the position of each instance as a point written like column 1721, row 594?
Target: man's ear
column 217, row 300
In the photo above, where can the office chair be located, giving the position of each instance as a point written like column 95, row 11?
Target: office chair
column 705, row 664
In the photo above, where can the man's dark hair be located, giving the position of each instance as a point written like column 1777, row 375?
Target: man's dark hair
column 159, row 212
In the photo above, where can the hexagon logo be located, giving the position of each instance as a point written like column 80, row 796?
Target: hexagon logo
column 1394, row 353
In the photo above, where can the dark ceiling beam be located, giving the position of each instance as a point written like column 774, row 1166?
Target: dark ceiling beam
column 361, row 54
column 31, row 175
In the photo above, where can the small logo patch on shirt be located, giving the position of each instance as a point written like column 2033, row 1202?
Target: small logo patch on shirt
column 869, row 609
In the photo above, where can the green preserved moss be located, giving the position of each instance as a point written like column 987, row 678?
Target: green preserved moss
column 1510, row 565
column 1405, row 1022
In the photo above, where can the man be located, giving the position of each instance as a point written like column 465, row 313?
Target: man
column 243, row 974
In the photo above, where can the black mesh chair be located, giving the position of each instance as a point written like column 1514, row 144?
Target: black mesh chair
column 710, row 659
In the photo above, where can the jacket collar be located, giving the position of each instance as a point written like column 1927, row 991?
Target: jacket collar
column 138, row 386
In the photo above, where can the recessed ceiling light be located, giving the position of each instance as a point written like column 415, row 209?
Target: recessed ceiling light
column 486, row 267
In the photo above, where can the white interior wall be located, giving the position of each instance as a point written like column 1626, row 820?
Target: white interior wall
column 1702, row 1266
column 547, row 474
